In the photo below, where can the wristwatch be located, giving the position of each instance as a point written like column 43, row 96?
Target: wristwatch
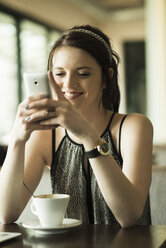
column 101, row 149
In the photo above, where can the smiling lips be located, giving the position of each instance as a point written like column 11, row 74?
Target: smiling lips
column 72, row 95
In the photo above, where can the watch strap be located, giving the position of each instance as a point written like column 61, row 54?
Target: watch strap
column 93, row 153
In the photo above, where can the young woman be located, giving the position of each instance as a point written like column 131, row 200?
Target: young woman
column 100, row 157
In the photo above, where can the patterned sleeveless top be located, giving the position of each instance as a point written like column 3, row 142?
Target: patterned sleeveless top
column 69, row 176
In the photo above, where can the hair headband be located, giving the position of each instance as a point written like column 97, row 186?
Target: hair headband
column 98, row 37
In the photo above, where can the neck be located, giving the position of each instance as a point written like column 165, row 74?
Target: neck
column 96, row 116
column 98, row 119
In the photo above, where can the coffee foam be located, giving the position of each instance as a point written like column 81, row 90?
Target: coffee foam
column 45, row 196
column 52, row 196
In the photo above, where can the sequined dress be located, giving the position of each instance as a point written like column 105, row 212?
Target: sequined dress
column 68, row 175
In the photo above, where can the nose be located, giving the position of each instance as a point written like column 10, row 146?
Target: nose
column 70, row 81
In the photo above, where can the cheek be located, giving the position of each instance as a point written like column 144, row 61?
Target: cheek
column 57, row 80
column 94, row 88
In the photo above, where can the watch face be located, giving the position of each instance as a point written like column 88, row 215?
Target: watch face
column 103, row 148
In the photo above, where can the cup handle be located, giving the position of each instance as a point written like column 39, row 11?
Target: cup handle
column 33, row 208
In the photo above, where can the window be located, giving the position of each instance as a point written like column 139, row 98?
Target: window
column 135, row 76
column 24, row 47
column 8, row 72
column 34, row 50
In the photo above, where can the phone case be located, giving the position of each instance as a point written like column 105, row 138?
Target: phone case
column 36, row 83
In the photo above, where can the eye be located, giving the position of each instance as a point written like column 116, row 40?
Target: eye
column 58, row 74
column 84, row 74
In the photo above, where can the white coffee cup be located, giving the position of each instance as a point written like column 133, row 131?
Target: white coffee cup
column 50, row 209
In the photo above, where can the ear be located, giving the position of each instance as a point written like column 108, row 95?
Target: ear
column 111, row 72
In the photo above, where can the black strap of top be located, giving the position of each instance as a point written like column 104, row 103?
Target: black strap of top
column 120, row 131
column 109, row 123
column 53, row 146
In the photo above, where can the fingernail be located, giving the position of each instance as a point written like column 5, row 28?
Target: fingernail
column 27, row 118
column 27, row 107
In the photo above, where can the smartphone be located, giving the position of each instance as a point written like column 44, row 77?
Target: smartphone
column 36, row 83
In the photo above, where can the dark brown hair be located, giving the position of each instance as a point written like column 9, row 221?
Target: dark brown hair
column 106, row 59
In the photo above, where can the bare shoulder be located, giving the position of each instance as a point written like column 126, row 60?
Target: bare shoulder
column 136, row 122
column 137, row 141
column 137, row 132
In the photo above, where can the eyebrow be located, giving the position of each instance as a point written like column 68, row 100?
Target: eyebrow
column 78, row 68
column 84, row 67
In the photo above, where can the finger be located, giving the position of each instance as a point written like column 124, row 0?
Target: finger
column 48, row 104
column 43, row 127
column 25, row 103
column 53, row 119
column 55, row 87
column 49, row 122
column 27, row 111
column 37, row 116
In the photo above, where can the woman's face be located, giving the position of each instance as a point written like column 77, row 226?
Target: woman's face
column 79, row 76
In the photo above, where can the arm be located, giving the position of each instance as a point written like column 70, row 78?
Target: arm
column 24, row 162
column 125, row 191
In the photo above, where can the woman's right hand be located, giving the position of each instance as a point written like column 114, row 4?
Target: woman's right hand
column 22, row 128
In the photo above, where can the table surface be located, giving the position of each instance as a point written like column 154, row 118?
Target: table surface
column 89, row 236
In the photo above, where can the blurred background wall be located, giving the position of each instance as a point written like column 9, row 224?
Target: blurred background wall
column 137, row 30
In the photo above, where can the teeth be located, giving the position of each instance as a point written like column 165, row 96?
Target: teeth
column 71, row 94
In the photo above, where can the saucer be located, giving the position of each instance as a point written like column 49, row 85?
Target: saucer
column 65, row 227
